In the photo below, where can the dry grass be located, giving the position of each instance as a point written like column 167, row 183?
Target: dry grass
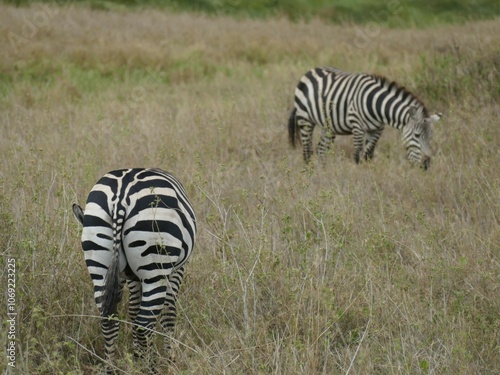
column 377, row 268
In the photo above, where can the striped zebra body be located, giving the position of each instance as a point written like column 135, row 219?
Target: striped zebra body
column 138, row 227
column 358, row 104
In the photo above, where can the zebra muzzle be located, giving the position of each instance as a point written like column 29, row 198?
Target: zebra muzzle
column 426, row 162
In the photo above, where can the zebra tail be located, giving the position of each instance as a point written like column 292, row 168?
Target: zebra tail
column 111, row 294
column 293, row 135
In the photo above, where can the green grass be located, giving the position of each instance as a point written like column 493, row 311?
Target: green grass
column 453, row 73
column 393, row 14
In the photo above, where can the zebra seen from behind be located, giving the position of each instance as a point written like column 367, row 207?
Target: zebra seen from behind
column 342, row 103
column 139, row 227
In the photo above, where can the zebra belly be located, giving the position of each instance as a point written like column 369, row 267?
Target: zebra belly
column 341, row 131
column 336, row 125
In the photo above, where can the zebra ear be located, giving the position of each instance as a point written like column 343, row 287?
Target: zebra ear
column 413, row 111
column 77, row 210
column 436, row 117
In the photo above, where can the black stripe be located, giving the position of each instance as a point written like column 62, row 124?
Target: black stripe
column 163, row 250
column 90, row 245
column 145, row 316
column 137, row 243
column 153, row 279
column 301, row 105
column 159, row 226
column 316, row 94
column 104, row 236
column 160, row 289
column 95, row 221
column 158, row 182
column 93, row 263
column 156, row 266
column 379, row 104
column 369, row 100
column 154, row 302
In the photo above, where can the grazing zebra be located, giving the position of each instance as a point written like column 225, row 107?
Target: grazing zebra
column 138, row 226
column 360, row 104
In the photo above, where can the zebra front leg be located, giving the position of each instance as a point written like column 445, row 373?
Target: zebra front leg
column 371, row 142
column 324, row 144
column 358, row 136
column 169, row 313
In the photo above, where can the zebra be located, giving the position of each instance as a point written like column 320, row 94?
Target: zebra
column 139, row 227
column 360, row 104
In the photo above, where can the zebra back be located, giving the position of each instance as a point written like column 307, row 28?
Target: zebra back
column 334, row 98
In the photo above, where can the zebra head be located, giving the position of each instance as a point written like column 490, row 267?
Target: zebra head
column 417, row 135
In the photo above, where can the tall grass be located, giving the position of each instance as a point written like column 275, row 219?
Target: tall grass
column 375, row 268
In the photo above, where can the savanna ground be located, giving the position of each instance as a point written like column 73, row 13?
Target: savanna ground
column 379, row 268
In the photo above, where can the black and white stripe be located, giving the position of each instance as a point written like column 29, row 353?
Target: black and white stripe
column 360, row 104
column 139, row 227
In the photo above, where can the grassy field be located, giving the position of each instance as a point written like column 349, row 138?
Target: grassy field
column 396, row 13
column 379, row 268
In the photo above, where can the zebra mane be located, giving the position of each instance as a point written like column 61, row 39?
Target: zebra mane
column 388, row 83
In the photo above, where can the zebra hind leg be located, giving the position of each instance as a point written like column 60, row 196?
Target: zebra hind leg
column 152, row 300
column 133, row 310
column 358, row 136
column 109, row 328
column 371, row 141
column 326, row 140
column 306, row 131
column 169, row 312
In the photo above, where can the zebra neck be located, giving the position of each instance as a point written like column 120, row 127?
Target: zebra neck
column 391, row 103
column 398, row 115
column 399, row 121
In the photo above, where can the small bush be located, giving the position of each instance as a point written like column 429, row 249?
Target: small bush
column 454, row 72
